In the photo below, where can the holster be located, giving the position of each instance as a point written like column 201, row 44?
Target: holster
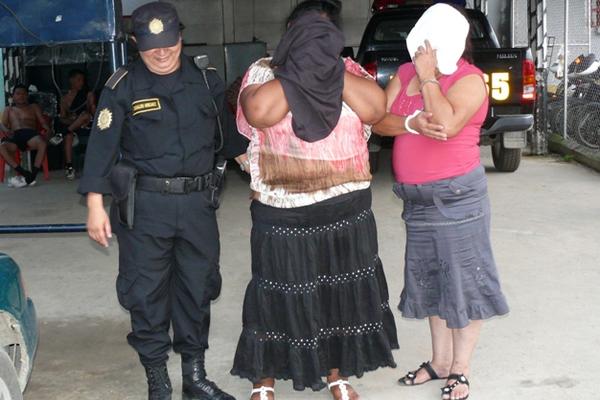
column 123, row 179
column 217, row 181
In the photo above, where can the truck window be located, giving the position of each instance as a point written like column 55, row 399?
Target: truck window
column 391, row 30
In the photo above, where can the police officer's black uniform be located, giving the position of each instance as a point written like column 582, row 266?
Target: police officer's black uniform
column 164, row 126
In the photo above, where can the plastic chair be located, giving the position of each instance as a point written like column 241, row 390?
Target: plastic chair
column 45, row 168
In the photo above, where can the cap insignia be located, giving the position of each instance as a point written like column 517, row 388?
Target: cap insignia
column 156, row 26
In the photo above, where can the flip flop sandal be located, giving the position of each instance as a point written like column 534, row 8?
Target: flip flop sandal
column 263, row 391
column 409, row 378
column 460, row 380
column 343, row 385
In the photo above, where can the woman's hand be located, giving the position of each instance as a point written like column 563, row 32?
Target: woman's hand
column 244, row 163
column 423, row 123
column 425, row 61
column 98, row 223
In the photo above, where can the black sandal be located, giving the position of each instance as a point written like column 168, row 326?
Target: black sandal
column 460, row 380
column 409, row 379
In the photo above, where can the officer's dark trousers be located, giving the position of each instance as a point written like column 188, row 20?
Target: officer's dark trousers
column 168, row 273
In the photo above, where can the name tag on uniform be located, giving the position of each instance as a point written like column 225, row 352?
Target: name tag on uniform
column 145, row 105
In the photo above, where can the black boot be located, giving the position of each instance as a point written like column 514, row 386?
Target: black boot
column 195, row 384
column 159, row 384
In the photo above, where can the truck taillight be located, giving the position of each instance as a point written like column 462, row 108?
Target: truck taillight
column 528, row 81
column 371, row 68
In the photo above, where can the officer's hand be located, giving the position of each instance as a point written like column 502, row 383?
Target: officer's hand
column 98, row 223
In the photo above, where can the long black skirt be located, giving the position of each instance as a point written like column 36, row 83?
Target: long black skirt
column 318, row 297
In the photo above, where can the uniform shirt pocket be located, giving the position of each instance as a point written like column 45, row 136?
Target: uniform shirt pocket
column 146, row 135
column 194, row 107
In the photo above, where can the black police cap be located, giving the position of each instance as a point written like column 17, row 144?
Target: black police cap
column 155, row 25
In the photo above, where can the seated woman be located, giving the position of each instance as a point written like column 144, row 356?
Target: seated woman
column 317, row 304
column 437, row 105
column 77, row 109
column 22, row 121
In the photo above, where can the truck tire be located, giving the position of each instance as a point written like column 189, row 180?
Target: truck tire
column 505, row 160
column 9, row 383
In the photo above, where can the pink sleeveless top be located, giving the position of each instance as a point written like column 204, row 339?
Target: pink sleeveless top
column 418, row 159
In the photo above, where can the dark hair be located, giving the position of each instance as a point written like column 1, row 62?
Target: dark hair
column 19, row 86
column 74, row 72
column 468, row 53
column 331, row 8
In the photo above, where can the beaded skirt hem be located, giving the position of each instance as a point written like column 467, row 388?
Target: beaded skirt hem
column 318, row 298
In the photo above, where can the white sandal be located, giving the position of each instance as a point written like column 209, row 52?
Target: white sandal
column 343, row 388
column 263, row 390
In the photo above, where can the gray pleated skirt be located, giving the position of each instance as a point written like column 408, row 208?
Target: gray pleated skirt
column 450, row 270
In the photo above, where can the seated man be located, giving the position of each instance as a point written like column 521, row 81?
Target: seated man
column 77, row 109
column 21, row 121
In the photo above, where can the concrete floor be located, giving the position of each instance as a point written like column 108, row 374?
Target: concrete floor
column 545, row 232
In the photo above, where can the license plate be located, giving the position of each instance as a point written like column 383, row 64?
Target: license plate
column 515, row 140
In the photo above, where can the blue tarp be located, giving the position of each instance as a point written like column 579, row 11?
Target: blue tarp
column 58, row 21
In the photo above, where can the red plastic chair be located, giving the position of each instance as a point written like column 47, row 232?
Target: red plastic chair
column 45, row 168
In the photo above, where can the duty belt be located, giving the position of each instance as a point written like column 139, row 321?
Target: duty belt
column 177, row 185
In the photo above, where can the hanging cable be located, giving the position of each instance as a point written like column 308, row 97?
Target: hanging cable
column 100, row 68
column 19, row 22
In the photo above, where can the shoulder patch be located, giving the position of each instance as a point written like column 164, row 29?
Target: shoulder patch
column 115, row 78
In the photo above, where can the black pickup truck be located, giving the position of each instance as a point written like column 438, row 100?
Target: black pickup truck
column 509, row 72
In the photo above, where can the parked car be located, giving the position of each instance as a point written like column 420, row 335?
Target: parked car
column 18, row 331
column 509, row 73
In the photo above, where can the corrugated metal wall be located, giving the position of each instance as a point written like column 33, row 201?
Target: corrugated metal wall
column 219, row 21
column 227, row 21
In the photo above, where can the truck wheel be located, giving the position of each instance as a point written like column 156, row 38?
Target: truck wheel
column 505, row 160
column 9, row 383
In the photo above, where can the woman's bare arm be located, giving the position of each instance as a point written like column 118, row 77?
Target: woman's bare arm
column 462, row 101
column 264, row 105
column 364, row 97
column 393, row 125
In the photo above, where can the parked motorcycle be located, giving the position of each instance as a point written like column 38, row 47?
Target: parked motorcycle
column 584, row 100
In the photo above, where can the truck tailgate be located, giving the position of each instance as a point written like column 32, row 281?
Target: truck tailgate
column 503, row 70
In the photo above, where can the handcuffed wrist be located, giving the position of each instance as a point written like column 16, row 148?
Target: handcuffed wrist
column 408, row 119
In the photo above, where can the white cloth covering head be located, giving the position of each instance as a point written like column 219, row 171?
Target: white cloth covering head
column 446, row 29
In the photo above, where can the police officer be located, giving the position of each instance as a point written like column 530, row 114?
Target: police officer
column 159, row 116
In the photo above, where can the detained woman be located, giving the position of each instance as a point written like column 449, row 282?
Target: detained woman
column 317, row 304
column 436, row 106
